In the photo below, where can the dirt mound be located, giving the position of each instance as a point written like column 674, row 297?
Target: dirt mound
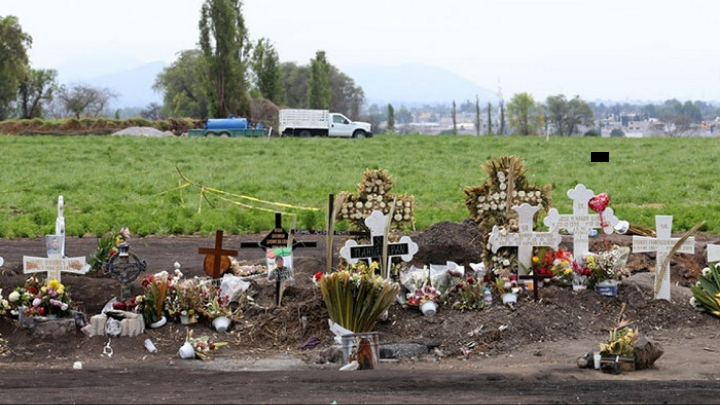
column 449, row 241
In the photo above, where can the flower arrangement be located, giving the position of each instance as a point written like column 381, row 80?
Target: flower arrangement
column 356, row 301
column 22, row 297
column 581, row 274
column 127, row 305
column 152, row 303
column 188, row 298
column 621, row 341
column 4, row 304
column 608, row 264
column 706, row 291
column 202, row 346
column 506, row 284
column 51, row 300
column 107, row 248
column 470, row 294
column 424, row 294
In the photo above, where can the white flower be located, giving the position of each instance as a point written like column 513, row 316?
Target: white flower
column 506, row 262
column 503, row 186
column 514, row 193
column 521, row 193
column 693, row 302
column 501, row 206
column 14, row 296
column 706, row 271
column 496, row 196
column 503, row 195
column 36, row 302
column 481, row 198
column 64, row 306
column 493, row 206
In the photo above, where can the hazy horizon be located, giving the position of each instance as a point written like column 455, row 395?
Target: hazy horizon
column 616, row 50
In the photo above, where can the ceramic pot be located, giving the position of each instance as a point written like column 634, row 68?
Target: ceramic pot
column 508, row 298
column 221, row 323
column 159, row 323
column 428, row 308
column 186, row 351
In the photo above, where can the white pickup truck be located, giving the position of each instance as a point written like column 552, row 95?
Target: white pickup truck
column 306, row 123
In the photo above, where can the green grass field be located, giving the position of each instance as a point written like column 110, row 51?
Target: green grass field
column 110, row 182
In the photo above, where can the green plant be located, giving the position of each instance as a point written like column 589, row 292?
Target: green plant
column 356, row 301
column 706, row 292
column 107, row 247
column 470, row 294
column 621, row 341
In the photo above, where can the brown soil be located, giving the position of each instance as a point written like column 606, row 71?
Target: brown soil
column 526, row 355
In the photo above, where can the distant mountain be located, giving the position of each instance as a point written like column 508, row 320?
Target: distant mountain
column 415, row 84
column 133, row 86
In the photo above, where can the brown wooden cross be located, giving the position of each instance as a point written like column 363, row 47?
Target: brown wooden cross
column 214, row 256
column 536, row 277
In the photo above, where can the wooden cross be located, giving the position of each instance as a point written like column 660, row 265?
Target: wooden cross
column 376, row 222
column 54, row 267
column 536, row 277
column 579, row 223
column 277, row 238
column 526, row 239
column 713, row 253
column 215, row 268
column 663, row 244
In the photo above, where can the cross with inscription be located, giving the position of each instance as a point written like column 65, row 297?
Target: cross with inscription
column 713, row 253
column 277, row 238
column 663, row 244
column 216, row 261
column 526, row 239
column 405, row 248
column 54, row 267
column 579, row 223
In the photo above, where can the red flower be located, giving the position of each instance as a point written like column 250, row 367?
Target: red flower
column 32, row 290
column 318, row 275
column 470, row 280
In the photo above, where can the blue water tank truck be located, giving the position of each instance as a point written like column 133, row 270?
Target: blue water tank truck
column 226, row 127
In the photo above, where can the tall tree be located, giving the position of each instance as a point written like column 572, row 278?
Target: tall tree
column 346, row 97
column 453, row 113
column 579, row 113
column 390, row 118
column 525, row 115
column 557, row 110
column 37, row 89
column 81, row 100
column 489, row 119
column 319, row 92
column 296, row 79
column 14, row 64
column 267, row 72
column 477, row 116
column 183, row 88
column 225, row 47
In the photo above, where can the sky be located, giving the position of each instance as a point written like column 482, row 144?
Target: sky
column 621, row 50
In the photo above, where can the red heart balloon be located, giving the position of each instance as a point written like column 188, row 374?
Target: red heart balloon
column 599, row 202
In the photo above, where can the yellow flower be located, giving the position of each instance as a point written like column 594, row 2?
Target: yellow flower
column 54, row 284
column 535, row 260
column 43, row 289
column 567, row 271
column 61, row 290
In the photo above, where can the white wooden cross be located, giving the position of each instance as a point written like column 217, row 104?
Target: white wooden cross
column 60, row 225
column 54, row 267
column 526, row 239
column 662, row 245
column 579, row 223
column 376, row 222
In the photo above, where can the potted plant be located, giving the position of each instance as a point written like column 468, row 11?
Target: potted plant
column 471, row 294
column 619, row 350
column 425, row 298
column 216, row 307
column 199, row 347
column 706, row 291
column 507, row 287
column 607, row 269
column 188, row 298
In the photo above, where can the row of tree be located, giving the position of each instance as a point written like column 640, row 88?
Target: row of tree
column 227, row 74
